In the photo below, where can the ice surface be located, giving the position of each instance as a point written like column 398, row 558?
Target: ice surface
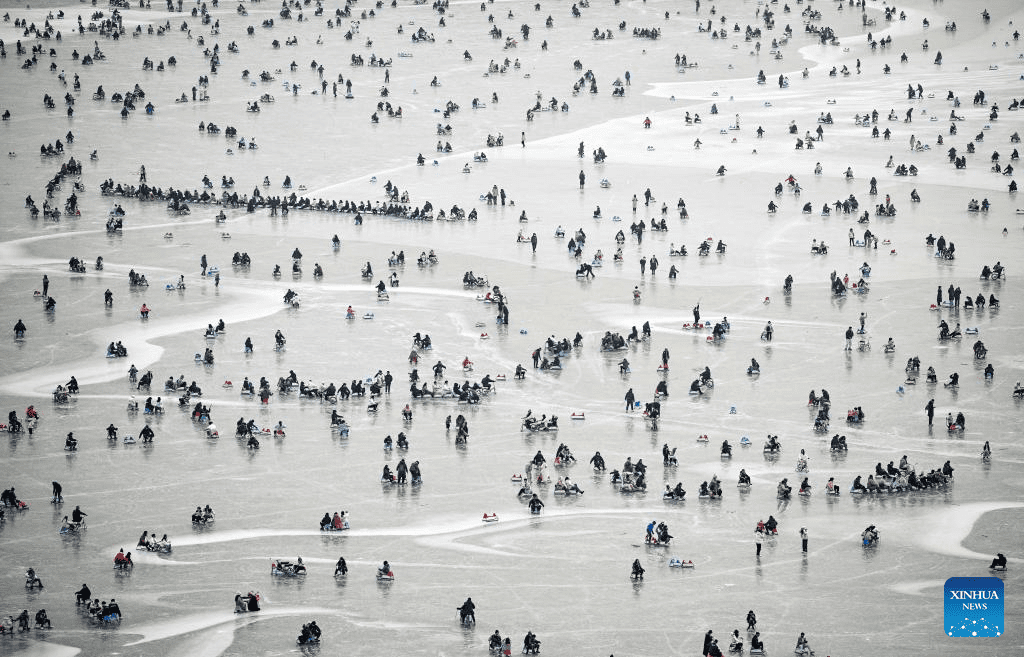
column 562, row 574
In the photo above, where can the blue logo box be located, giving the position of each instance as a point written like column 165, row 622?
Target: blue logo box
column 973, row 607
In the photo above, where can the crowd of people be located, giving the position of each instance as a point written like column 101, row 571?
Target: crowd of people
column 550, row 358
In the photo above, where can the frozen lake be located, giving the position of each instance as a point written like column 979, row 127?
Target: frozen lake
column 848, row 600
